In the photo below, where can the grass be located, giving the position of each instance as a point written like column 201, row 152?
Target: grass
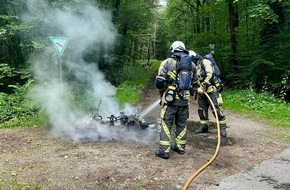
column 262, row 106
column 135, row 78
column 16, row 185
column 39, row 120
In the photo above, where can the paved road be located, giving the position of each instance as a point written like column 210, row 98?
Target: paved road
column 270, row 174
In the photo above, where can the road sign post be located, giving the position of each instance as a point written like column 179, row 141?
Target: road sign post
column 211, row 47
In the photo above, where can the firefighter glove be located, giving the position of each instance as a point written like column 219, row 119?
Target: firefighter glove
column 200, row 90
column 204, row 85
column 160, row 82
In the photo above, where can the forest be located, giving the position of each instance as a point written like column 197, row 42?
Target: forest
column 75, row 74
column 250, row 41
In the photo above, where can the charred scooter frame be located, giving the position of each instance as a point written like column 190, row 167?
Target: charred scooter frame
column 123, row 120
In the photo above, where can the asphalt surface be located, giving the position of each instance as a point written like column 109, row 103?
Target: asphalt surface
column 270, row 174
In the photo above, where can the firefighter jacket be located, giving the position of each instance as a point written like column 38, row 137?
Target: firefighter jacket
column 168, row 68
column 205, row 74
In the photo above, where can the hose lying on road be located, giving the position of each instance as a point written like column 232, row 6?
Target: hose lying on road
column 216, row 151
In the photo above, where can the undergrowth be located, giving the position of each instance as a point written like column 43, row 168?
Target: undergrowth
column 16, row 108
column 135, row 79
column 262, row 106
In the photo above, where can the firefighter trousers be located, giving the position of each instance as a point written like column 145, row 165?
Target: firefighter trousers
column 203, row 106
column 173, row 114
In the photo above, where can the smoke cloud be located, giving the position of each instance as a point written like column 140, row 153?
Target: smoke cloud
column 89, row 26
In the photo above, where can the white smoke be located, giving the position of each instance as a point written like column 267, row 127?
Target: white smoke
column 89, row 26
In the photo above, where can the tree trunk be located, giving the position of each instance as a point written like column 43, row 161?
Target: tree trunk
column 116, row 9
column 198, row 30
column 233, row 24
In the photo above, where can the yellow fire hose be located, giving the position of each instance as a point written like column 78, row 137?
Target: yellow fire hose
column 216, row 151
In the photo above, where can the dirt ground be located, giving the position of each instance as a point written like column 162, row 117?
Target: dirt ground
column 32, row 158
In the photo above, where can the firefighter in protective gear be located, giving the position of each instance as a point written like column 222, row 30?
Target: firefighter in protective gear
column 206, row 83
column 174, row 106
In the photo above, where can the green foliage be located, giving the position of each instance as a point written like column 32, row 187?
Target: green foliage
column 138, row 73
column 128, row 93
column 133, row 20
column 12, row 76
column 264, row 67
column 261, row 32
column 259, row 106
column 38, row 119
column 205, row 23
column 134, row 79
column 134, row 16
column 5, row 71
column 263, row 11
column 11, row 29
column 18, row 109
column 82, row 98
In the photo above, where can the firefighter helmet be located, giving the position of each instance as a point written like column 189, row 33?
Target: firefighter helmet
column 177, row 46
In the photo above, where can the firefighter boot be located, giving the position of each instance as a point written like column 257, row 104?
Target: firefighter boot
column 202, row 129
column 161, row 154
column 176, row 149
column 223, row 130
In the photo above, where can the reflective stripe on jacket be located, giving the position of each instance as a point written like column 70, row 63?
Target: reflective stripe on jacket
column 205, row 73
